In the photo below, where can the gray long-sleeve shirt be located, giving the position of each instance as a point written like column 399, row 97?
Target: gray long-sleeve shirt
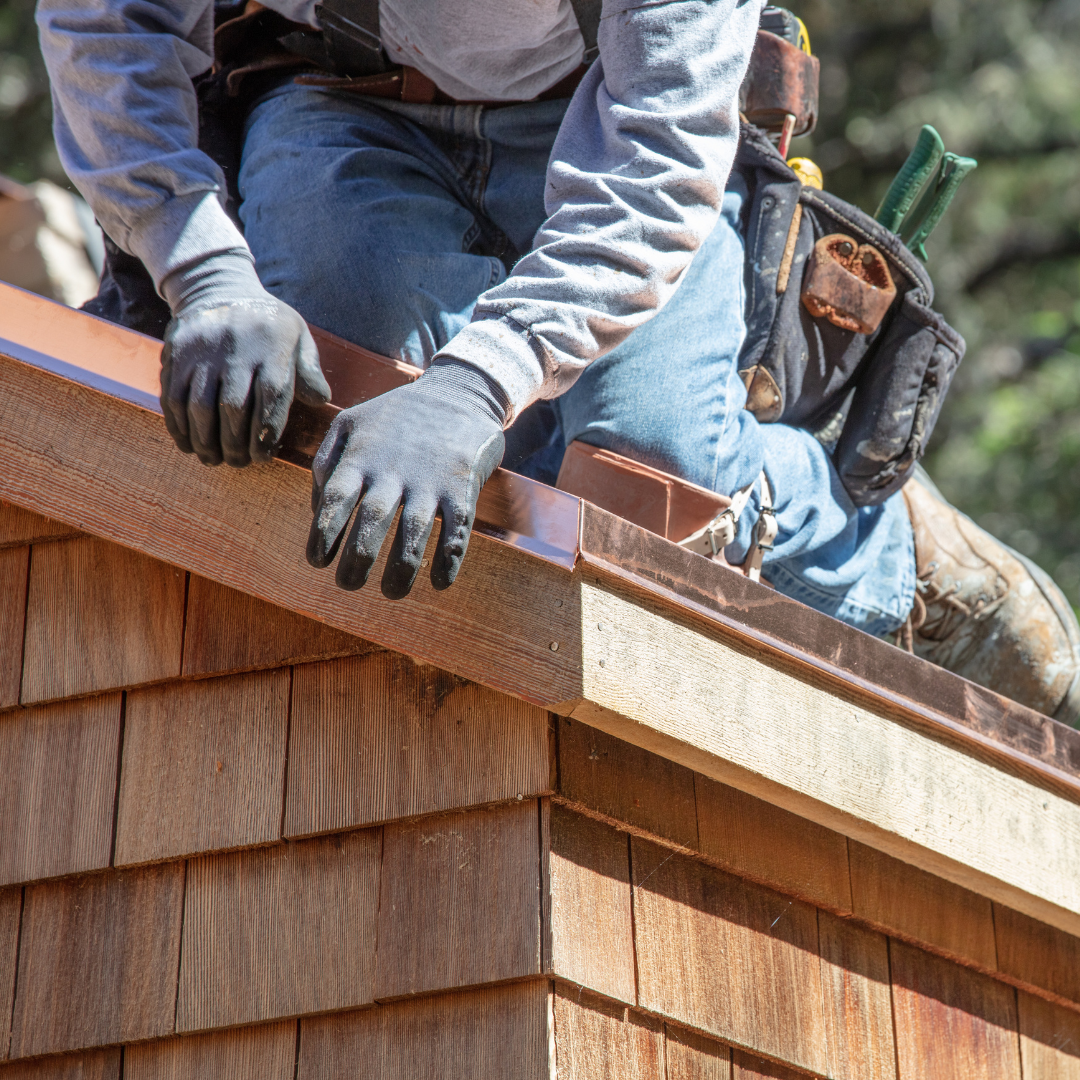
column 633, row 188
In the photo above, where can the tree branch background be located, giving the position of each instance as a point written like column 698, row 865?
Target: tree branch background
column 1000, row 79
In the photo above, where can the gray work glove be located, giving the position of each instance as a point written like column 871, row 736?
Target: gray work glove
column 233, row 358
column 429, row 448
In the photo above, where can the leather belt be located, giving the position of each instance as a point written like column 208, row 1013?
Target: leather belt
column 411, row 85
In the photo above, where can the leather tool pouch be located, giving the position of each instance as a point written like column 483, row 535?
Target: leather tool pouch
column 873, row 394
column 780, row 80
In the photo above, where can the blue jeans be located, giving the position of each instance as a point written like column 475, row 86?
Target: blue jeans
column 382, row 222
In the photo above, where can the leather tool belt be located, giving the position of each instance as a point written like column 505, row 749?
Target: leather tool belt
column 841, row 336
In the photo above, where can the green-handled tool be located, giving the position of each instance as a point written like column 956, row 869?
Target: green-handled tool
column 921, row 164
column 935, row 173
column 920, row 223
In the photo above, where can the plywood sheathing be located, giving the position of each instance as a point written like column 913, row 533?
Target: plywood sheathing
column 99, row 616
column 58, row 787
column 203, row 767
column 98, row 958
column 230, row 631
column 377, row 738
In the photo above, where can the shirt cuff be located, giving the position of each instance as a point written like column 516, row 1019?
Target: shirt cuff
column 508, row 353
column 184, row 230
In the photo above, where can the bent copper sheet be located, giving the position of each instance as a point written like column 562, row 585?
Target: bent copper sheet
column 941, row 703
column 562, row 529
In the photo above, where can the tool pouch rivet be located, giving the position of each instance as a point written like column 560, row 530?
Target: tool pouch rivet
column 847, row 283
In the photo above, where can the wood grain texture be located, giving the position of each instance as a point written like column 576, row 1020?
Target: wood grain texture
column 93, row 1065
column 753, row 838
column 98, row 960
column 591, row 924
column 14, row 563
column 19, row 526
column 377, row 737
column 858, row 1001
column 204, row 766
column 498, row 1033
column 951, row 1022
column 58, row 788
column 728, row 957
column 627, row 783
column 747, row 1067
column 598, row 1040
column 266, row 1052
column 231, row 631
column 1037, row 954
column 690, row 1056
column 1049, row 1040
column 99, row 616
column 912, row 903
column 686, row 690
column 10, row 910
column 118, row 475
column 460, row 900
column 279, row 932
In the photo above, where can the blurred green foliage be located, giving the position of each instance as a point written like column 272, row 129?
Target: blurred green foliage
column 26, row 147
column 1000, row 79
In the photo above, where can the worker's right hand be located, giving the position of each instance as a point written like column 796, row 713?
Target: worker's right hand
column 233, row 358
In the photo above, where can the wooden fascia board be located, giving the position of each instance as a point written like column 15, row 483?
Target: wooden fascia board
column 675, row 686
column 520, row 620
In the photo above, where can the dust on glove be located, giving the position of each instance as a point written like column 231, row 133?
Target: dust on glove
column 233, row 359
column 427, row 448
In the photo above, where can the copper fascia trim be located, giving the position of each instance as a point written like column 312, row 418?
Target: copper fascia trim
column 559, row 528
column 939, row 703
column 40, row 332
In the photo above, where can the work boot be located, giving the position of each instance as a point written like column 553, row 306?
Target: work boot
column 987, row 613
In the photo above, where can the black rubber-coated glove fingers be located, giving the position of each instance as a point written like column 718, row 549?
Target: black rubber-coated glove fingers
column 337, row 482
column 378, row 507
column 458, row 517
column 229, row 373
column 410, row 542
column 427, row 448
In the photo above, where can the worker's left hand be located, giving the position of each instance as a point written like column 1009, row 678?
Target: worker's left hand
column 428, row 448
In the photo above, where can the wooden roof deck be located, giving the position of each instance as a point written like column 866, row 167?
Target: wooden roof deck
column 710, row 834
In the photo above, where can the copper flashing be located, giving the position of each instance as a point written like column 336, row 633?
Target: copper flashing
column 942, row 704
column 565, row 531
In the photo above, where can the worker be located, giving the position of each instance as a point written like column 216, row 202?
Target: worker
column 527, row 227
